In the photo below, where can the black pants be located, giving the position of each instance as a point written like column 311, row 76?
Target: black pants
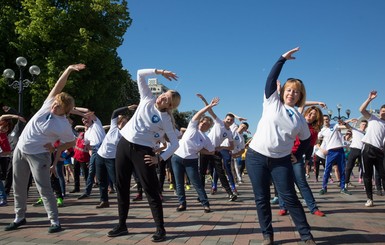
column 372, row 156
column 317, row 162
column 354, row 155
column 216, row 162
column 130, row 156
column 77, row 166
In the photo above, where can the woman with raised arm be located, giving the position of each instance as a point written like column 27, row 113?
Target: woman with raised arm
column 151, row 121
column 270, row 151
column 33, row 151
column 185, row 159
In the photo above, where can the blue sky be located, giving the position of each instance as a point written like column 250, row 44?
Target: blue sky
column 226, row 49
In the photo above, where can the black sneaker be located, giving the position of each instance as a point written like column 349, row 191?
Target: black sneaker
column 159, row 236
column 54, row 228
column 13, row 226
column 118, row 231
column 232, row 198
column 85, row 195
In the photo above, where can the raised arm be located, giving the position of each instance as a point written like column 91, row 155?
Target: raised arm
column 311, row 103
column 271, row 81
column 363, row 110
column 12, row 116
column 210, row 110
column 199, row 114
column 63, row 79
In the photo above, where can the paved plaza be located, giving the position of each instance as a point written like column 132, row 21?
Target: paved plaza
column 347, row 220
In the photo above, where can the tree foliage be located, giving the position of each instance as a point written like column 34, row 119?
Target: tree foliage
column 56, row 33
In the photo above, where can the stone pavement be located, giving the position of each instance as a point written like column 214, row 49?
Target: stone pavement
column 347, row 220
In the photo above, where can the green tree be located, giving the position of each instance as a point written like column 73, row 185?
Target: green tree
column 55, row 33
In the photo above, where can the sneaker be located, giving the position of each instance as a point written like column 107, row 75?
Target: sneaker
column 349, row 185
column 207, row 209
column 310, row 242
column 38, row 203
column 171, row 187
column 13, row 226
column 213, row 191
column 3, row 202
column 345, row 191
column 360, row 180
column 282, row 212
column 369, row 203
column 232, row 198
column 159, row 236
column 319, row 213
column 111, row 191
column 235, row 191
column 85, row 195
column 322, row 191
column 379, row 192
column 75, row 190
column 187, row 187
column 307, row 176
column 268, row 240
column 96, row 185
column 138, row 197
column 118, row 231
column 103, row 205
column 275, row 200
column 54, row 228
column 59, row 202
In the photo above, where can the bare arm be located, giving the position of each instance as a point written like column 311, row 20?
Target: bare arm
column 12, row 116
column 63, row 79
column 199, row 114
column 311, row 103
column 363, row 110
column 206, row 103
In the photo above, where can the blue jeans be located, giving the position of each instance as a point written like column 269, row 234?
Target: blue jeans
column 3, row 195
column 301, row 182
column 261, row 169
column 105, row 172
column 334, row 155
column 190, row 167
column 60, row 176
column 91, row 171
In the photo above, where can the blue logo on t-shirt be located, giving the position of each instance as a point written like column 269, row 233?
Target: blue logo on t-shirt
column 224, row 135
column 156, row 135
column 236, row 137
column 290, row 112
column 155, row 119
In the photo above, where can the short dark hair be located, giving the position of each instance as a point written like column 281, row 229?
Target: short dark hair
column 230, row 115
column 245, row 123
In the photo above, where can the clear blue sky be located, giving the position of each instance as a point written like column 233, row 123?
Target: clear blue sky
column 226, row 48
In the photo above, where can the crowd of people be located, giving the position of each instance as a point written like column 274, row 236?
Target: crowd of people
column 292, row 137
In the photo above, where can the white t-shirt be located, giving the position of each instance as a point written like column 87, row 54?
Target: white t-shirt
column 95, row 134
column 375, row 133
column 278, row 128
column 319, row 152
column 332, row 136
column 148, row 125
column 193, row 140
column 108, row 147
column 239, row 142
column 219, row 133
column 357, row 136
column 44, row 127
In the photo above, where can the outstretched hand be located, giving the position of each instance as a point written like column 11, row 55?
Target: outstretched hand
column 214, row 102
column 372, row 95
column 77, row 67
column 169, row 75
column 288, row 54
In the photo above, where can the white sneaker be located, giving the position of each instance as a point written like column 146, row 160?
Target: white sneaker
column 369, row 203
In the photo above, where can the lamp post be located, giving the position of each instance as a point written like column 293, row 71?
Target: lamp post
column 339, row 117
column 21, row 83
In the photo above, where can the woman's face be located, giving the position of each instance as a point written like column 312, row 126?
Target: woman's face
column 291, row 95
column 57, row 109
column 311, row 116
column 164, row 101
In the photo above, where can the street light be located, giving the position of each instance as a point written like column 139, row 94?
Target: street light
column 339, row 117
column 21, row 83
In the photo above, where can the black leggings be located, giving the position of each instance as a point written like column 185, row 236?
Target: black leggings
column 130, row 156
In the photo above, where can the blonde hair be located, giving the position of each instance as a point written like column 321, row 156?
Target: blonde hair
column 66, row 101
column 300, row 86
column 176, row 98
